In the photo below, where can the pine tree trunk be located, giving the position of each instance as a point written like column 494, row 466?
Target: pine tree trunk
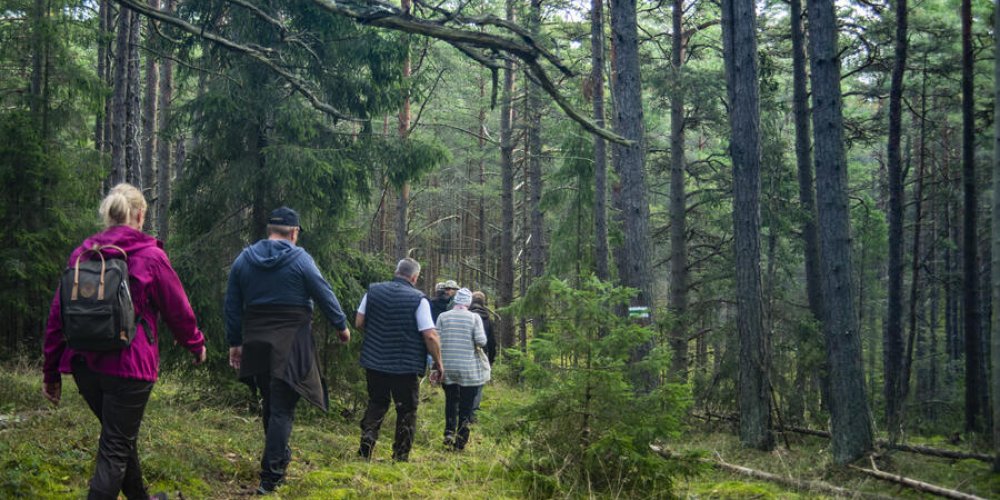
column 629, row 161
column 133, row 130
column 600, row 146
column 102, row 63
column 533, row 115
column 739, row 24
column 482, row 275
column 119, row 98
column 147, row 158
column 850, row 417
column 892, row 340
column 403, row 199
column 506, row 267
column 678, row 202
column 995, row 242
column 974, row 379
column 164, row 169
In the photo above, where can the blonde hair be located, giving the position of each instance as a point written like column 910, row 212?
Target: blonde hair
column 122, row 205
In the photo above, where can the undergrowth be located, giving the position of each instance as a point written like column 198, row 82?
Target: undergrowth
column 204, row 442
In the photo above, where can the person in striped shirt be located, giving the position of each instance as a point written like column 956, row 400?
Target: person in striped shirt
column 466, row 370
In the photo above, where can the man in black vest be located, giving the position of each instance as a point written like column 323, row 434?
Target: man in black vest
column 399, row 334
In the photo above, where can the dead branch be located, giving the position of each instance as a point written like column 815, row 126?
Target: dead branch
column 917, row 485
column 909, row 448
column 797, row 484
column 256, row 54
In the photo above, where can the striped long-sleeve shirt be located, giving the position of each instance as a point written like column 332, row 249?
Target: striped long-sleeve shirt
column 461, row 331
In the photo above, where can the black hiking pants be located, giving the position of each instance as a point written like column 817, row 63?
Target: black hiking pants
column 384, row 388
column 119, row 404
column 278, row 415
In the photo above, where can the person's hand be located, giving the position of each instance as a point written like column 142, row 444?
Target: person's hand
column 235, row 356
column 437, row 374
column 200, row 357
column 52, row 391
column 344, row 335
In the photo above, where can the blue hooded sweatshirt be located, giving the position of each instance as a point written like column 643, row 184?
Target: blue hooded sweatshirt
column 276, row 272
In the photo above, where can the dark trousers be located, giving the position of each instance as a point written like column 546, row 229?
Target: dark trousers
column 277, row 414
column 119, row 404
column 459, row 404
column 382, row 389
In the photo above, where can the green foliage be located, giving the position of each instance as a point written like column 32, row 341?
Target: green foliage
column 576, row 435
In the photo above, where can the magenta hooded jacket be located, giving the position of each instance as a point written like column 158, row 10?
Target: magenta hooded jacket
column 155, row 289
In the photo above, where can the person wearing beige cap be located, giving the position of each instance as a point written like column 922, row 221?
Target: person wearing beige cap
column 443, row 294
column 466, row 370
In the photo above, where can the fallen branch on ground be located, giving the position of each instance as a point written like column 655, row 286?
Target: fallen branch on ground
column 909, row 448
column 917, row 485
column 797, row 484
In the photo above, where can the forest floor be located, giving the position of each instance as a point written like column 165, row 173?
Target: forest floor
column 191, row 444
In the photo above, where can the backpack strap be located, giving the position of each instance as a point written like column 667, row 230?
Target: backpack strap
column 115, row 247
column 76, row 274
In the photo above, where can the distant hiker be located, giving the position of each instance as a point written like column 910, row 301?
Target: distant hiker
column 462, row 340
column 442, row 298
column 479, row 307
column 399, row 334
column 269, row 301
column 116, row 383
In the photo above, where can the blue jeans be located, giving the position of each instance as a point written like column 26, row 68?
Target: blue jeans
column 458, row 409
column 277, row 414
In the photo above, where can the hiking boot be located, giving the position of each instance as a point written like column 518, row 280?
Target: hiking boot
column 159, row 496
column 266, row 488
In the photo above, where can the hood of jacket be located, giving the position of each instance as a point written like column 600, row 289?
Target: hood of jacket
column 124, row 237
column 272, row 253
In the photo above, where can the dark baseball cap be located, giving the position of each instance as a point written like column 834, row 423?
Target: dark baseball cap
column 284, row 216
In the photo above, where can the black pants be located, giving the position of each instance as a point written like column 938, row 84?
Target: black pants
column 459, row 405
column 383, row 388
column 277, row 414
column 119, row 404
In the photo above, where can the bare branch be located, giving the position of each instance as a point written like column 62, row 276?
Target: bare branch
column 297, row 83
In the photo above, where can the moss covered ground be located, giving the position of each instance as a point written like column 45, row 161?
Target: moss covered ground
column 204, row 445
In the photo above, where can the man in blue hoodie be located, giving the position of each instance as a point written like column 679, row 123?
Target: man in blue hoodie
column 269, row 301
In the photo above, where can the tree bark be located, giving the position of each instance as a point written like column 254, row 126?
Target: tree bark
column 133, row 112
column 739, row 35
column 995, row 242
column 850, row 417
column 119, row 98
column 974, row 378
column 102, row 64
column 164, row 169
column 678, row 202
column 403, row 199
column 600, row 146
column 807, row 191
column 536, row 249
column 147, row 158
column 629, row 162
column 506, row 271
column 892, row 340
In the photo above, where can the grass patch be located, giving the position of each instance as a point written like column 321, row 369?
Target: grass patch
column 207, row 444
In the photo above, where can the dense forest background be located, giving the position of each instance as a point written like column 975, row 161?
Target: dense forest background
column 800, row 195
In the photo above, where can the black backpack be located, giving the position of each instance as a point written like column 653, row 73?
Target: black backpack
column 97, row 311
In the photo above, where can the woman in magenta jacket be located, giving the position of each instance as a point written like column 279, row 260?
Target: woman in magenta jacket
column 117, row 384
